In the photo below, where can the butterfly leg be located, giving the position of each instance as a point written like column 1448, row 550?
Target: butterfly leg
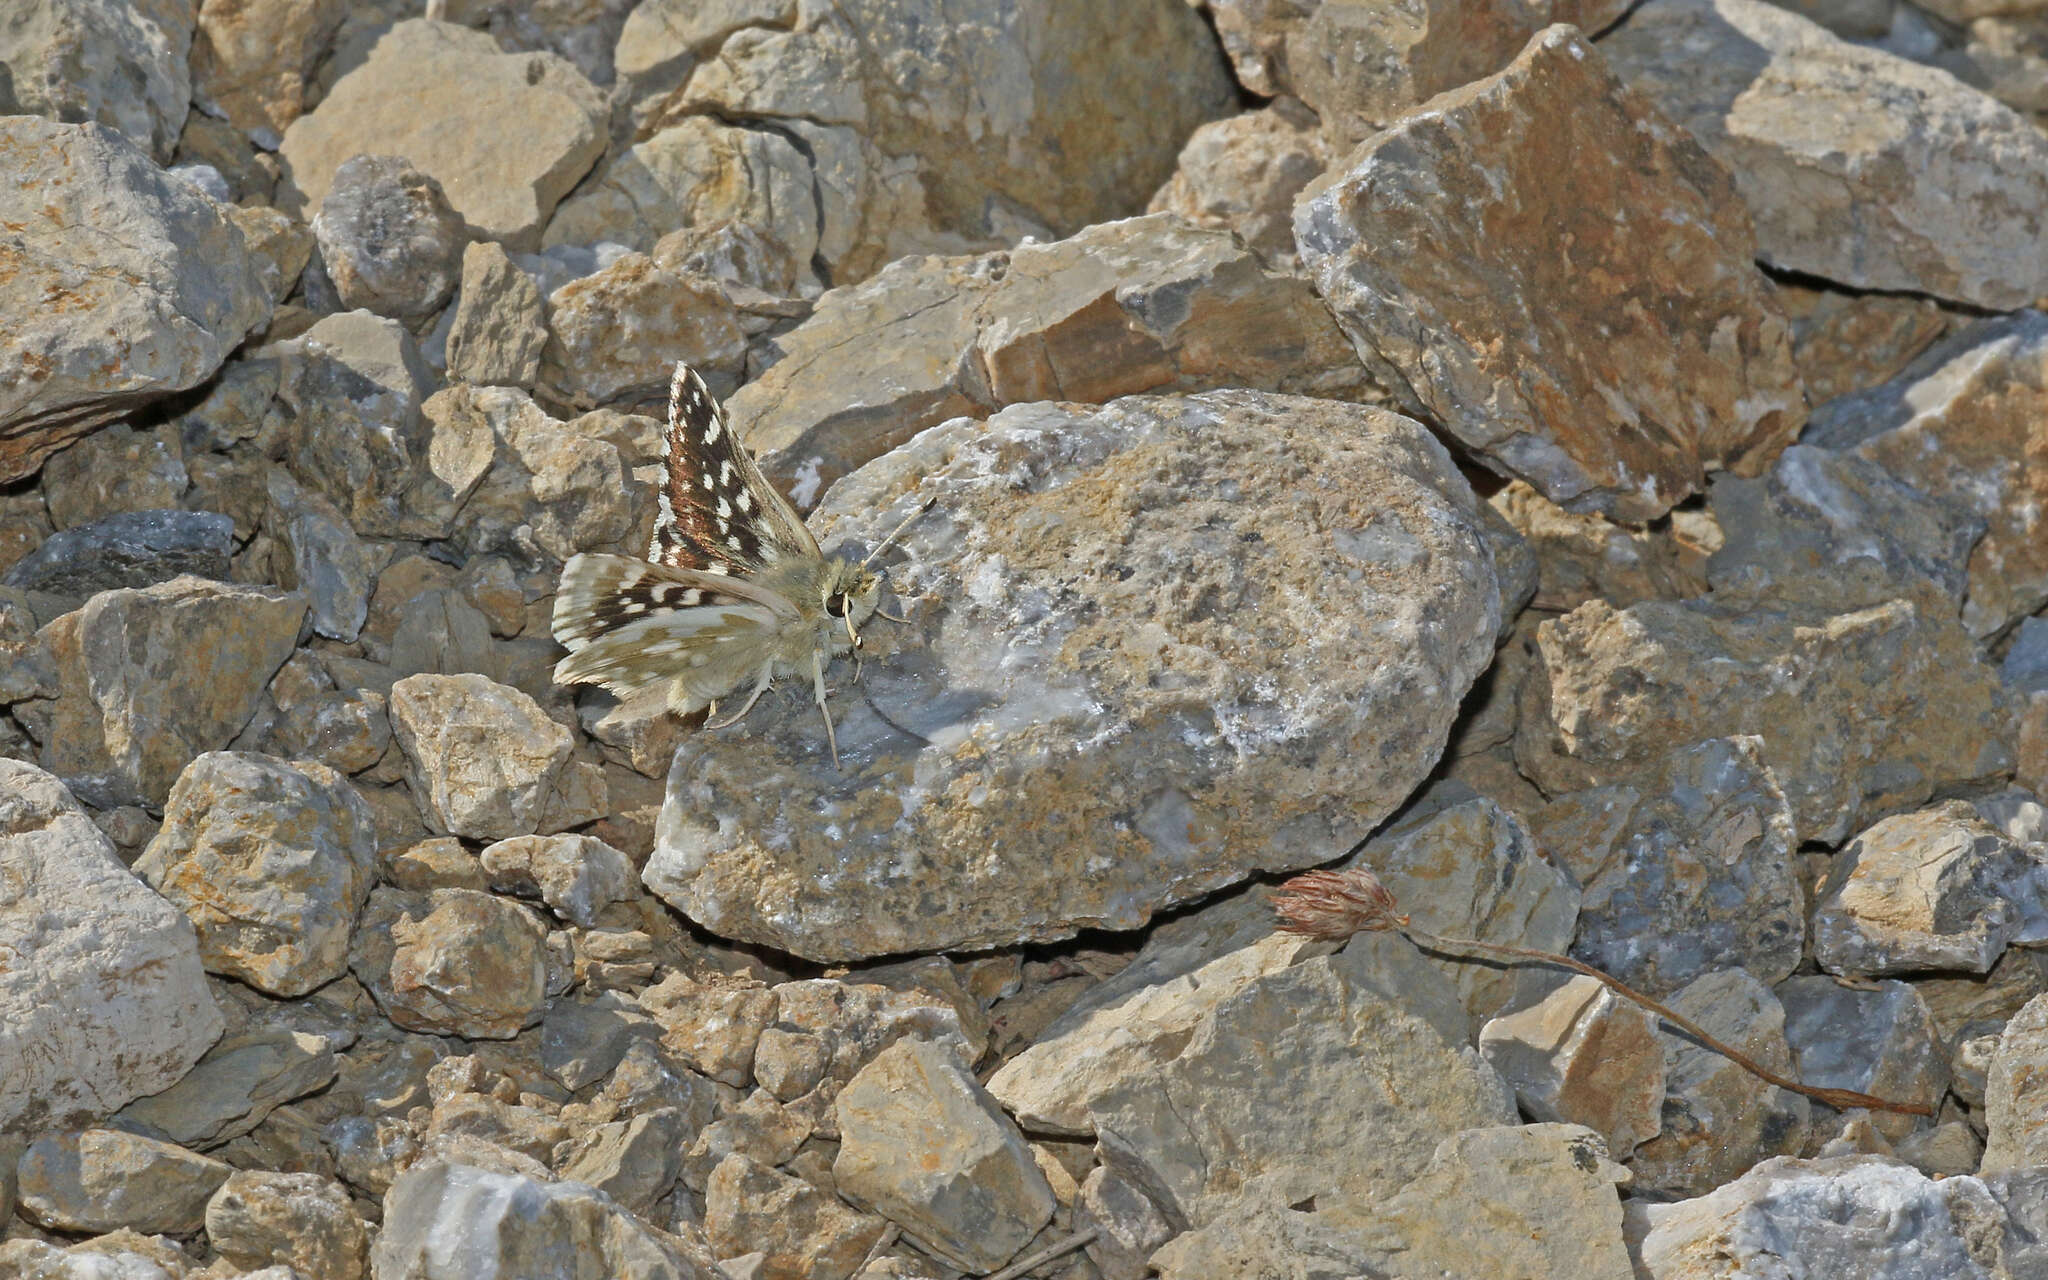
column 760, row 687
column 818, row 683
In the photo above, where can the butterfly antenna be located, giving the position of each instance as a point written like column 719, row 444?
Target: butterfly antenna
column 896, row 533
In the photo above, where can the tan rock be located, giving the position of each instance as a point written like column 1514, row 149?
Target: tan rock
column 481, row 758
column 711, row 1026
column 1859, row 166
column 801, row 1231
column 453, row 962
column 1583, row 1055
column 2016, row 1093
column 1516, row 334
column 103, row 1180
column 617, row 335
column 300, row 1219
column 252, row 59
column 500, row 324
column 1243, row 172
column 1587, row 557
column 506, row 135
column 1846, row 342
column 1859, row 712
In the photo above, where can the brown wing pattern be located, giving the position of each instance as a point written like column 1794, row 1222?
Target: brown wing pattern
column 718, row 512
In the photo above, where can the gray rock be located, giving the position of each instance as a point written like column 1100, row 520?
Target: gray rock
column 711, row 1026
column 2025, row 667
column 487, row 1223
column 271, row 862
column 1189, row 780
column 500, row 323
column 1142, row 304
column 157, row 285
column 481, row 758
column 1520, row 1200
column 1128, row 1226
column 115, row 469
column 1834, row 527
column 506, row 135
column 635, row 1161
column 1372, row 1030
column 793, row 1227
column 1477, row 313
column 350, row 391
column 1718, row 1119
column 103, row 1179
column 1880, row 1041
column 1257, row 1236
column 1964, row 424
column 1846, row 1216
column 235, row 1087
column 2016, row 1095
column 119, row 65
column 1940, row 889
column 116, row 1004
column 1910, row 180
column 1687, row 867
column 453, row 962
column 1584, row 1056
column 758, row 1128
column 388, row 239
column 923, row 1144
column 1860, row 713
column 127, row 549
column 577, row 876
column 119, row 1255
column 300, row 1219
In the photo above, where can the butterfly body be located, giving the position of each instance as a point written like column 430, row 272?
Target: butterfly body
column 734, row 592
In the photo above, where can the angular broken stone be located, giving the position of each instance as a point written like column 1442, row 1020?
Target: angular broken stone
column 1583, row 1055
column 500, row 321
column 1687, row 867
column 127, row 549
column 1316, row 587
column 388, row 239
column 923, row 1144
column 481, row 758
column 1143, row 304
column 1338, row 1075
column 271, row 862
column 1495, row 314
column 711, row 1026
column 253, row 60
column 300, row 1219
column 801, row 1230
column 825, row 1031
column 577, row 876
column 1859, row 713
column 116, row 1004
column 126, row 69
column 1879, row 1040
column 1847, row 342
column 155, row 282
column 615, row 336
column 506, row 135
column 235, row 1087
column 1940, row 889
column 103, row 1179
column 1243, row 172
column 453, row 962
column 1585, row 557
column 2016, row 1093
column 1718, row 1118
column 1859, row 166
column 1967, row 425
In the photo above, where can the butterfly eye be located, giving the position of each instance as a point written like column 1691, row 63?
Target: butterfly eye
column 835, row 604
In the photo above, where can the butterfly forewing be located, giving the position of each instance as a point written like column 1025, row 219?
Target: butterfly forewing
column 718, row 512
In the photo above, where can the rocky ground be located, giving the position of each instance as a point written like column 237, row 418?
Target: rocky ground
column 1592, row 476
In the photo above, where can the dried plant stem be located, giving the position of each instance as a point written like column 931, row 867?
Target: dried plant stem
column 1839, row 1099
column 1045, row 1255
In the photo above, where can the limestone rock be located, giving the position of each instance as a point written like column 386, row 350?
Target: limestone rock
column 577, row 876
column 1879, row 1041
column 481, row 758
column 1583, row 1056
column 1479, row 314
column 118, row 65
column 802, row 1231
column 122, row 1255
column 390, row 242
column 615, row 337
column 1839, row 529
column 235, row 1087
column 1859, row 166
column 500, row 324
column 453, row 962
column 271, row 861
column 1338, row 1075
column 1940, row 889
column 1718, row 1119
column 925, row 1146
column 1964, row 425
column 129, row 549
column 1127, row 1225
column 1859, row 712
column 156, row 284
column 1848, row 342
column 635, row 1161
column 115, row 469
column 1688, row 867
column 252, row 60
column 498, row 1223
column 1360, row 65
column 103, row 1179
column 116, row 1004
column 825, row 1032
column 1145, row 304
column 506, row 135
column 1257, row 1236
column 2016, row 1093
column 711, row 1026
column 300, row 1219
column 1242, row 173
column 1163, row 654
column 1587, row 557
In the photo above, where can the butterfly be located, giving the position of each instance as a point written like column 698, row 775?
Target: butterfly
column 734, row 588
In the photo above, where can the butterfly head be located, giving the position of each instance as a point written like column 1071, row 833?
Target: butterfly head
column 851, row 593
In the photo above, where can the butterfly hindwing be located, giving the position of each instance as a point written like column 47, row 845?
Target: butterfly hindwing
column 718, row 513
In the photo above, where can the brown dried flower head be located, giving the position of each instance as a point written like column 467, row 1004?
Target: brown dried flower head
column 1336, row 904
